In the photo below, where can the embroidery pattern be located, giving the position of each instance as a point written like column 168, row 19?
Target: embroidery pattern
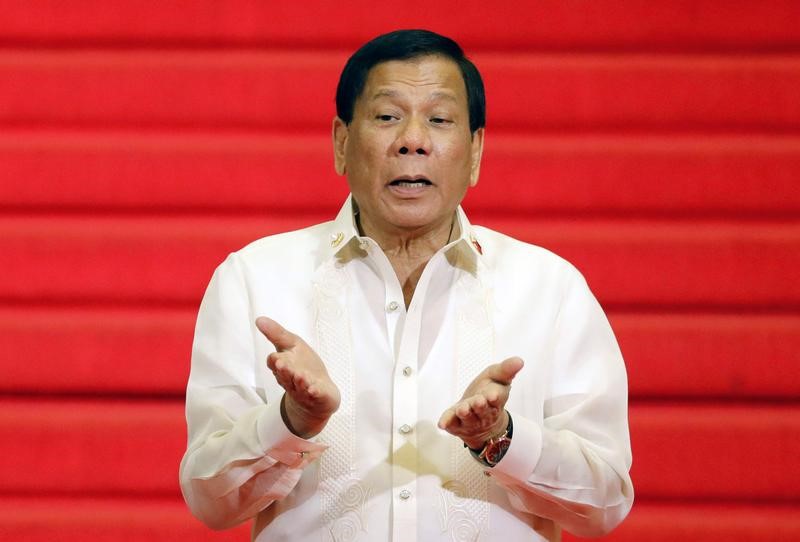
column 343, row 497
column 454, row 514
column 464, row 500
column 352, row 506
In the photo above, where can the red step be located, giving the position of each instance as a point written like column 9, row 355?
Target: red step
column 679, row 24
column 82, row 447
column 731, row 452
column 694, row 355
column 695, row 451
column 99, row 351
column 292, row 90
column 587, row 174
column 700, row 522
column 76, row 519
column 707, row 356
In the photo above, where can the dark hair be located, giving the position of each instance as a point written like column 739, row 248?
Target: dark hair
column 406, row 45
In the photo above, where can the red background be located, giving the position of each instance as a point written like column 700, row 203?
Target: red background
column 654, row 144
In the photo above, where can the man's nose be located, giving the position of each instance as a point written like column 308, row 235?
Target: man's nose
column 413, row 138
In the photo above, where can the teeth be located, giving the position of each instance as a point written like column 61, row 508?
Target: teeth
column 411, row 184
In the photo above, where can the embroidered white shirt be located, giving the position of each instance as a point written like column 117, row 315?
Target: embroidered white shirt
column 381, row 469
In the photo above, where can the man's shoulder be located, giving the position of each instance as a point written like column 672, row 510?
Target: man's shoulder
column 519, row 269
column 293, row 252
column 500, row 249
column 295, row 242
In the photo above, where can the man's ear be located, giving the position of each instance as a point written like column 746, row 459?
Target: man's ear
column 476, row 152
column 340, row 134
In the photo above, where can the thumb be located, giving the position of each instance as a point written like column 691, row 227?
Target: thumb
column 505, row 371
column 276, row 334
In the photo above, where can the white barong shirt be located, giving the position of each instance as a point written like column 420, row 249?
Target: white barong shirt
column 381, row 469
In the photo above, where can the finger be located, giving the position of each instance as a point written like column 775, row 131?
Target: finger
column 505, row 371
column 478, row 404
column 283, row 370
column 496, row 396
column 465, row 413
column 276, row 334
column 447, row 419
column 301, row 381
column 285, row 380
column 483, row 408
column 276, row 362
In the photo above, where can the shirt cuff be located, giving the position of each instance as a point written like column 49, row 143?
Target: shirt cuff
column 283, row 445
column 525, row 450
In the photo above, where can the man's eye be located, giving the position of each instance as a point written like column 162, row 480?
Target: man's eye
column 385, row 118
column 439, row 120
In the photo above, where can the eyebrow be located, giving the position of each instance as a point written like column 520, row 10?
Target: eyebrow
column 390, row 93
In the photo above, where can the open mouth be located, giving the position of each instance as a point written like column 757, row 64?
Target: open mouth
column 411, row 183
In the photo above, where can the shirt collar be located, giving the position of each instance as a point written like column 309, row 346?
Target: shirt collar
column 339, row 233
column 341, row 239
column 464, row 250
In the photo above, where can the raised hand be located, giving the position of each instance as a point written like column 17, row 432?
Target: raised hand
column 310, row 396
column 480, row 413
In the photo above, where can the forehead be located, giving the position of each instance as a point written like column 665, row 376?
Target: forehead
column 426, row 74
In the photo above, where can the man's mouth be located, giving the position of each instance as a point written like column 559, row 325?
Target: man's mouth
column 411, row 183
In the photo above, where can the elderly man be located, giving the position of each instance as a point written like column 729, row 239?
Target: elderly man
column 387, row 412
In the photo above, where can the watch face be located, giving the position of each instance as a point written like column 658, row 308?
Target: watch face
column 496, row 450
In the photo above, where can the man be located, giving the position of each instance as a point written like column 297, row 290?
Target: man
column 387, row 412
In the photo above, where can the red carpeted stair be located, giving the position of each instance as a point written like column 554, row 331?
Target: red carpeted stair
column 654, row 144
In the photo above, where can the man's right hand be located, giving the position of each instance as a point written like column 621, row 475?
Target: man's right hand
column 310, row 397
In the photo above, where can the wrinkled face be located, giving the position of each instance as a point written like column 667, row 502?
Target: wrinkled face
column 408, row 153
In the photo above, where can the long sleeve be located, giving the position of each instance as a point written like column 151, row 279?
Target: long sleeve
column 240, row 455
column 573, row 466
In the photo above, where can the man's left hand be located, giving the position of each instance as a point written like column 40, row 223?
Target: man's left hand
column 480, row 414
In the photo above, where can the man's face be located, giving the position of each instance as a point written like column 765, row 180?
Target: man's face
column 408, row 153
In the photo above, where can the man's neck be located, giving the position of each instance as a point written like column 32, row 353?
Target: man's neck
column 409, row 251
column 411, row 244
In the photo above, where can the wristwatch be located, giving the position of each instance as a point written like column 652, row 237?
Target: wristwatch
column 495, row 448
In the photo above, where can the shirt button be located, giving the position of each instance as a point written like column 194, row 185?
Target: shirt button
column 393, row 306
column 407, row 371
column 405, row 428
column 405, row 494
